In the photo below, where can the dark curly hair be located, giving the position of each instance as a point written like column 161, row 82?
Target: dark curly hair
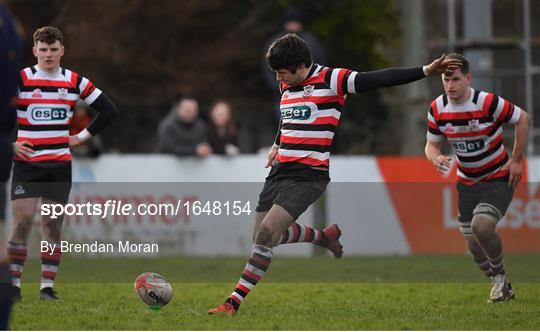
column 48, row 35
column 288, row 52
column 464, row 62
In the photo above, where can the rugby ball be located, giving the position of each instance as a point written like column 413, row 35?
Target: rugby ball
column 154, row 290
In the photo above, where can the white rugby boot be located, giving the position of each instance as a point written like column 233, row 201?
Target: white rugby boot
column 501, row 289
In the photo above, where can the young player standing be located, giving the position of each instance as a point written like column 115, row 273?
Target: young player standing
column 42, row 159
column 312, row 98
column 472, row 122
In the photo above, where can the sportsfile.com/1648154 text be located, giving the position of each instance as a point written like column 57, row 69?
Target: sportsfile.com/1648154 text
column 118, row 208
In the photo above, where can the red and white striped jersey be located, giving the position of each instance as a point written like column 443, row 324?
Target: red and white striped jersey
column 45, row 109
column 310, row 114
column 475, row 130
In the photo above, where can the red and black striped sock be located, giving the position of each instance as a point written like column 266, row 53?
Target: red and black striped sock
column 300, row 233
column 49, row 265
column 17, row 253
column 256, row 266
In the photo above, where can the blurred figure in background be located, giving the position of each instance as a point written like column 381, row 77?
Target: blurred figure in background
column 222, row 130
column 182, row 133
column 293, row 22
column 82, row 118
column 10, row 63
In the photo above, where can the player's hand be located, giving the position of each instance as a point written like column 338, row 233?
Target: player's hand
column 203, row 150
column 23, row 150
column 74, row 141
column 442, row 164
column 442, row 65
column 271, row 155
column 514, row 168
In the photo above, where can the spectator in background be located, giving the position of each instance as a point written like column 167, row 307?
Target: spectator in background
column 182, row 133
column 222, row 129
column 81, row 120
column 293, row 22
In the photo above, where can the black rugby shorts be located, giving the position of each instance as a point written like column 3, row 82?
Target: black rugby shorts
column 495, row 192
column 293, row 194
column 30, row 181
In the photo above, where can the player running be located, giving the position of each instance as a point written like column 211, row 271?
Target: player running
column 312, row 98
column 472, row 122
column 42, row 159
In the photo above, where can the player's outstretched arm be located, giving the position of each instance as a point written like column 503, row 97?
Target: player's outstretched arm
column 354, row 82
column 514, row 164
column 383, row 78
column 106, row 112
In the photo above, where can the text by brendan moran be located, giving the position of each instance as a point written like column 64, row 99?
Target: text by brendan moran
column 97, row 247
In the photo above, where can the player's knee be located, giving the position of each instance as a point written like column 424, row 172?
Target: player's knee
column 21, row 228
column 482, row 226
column 265, row 236
column 485, row 219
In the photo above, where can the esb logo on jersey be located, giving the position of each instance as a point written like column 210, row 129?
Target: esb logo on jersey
column 40, row 114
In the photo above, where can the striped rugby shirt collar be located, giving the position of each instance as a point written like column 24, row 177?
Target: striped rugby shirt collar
column 47, row 74
column 315, row 69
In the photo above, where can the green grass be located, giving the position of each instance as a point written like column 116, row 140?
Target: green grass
column 396, row 293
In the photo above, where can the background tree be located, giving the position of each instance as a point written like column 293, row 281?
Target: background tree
column 145, row 54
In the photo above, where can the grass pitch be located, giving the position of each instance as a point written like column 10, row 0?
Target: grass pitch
column 396, row 293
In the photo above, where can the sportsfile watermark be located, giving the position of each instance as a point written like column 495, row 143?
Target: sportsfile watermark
column 113, row 208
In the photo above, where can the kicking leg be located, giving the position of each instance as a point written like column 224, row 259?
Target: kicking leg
column 327, row 238
column 296, row 198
